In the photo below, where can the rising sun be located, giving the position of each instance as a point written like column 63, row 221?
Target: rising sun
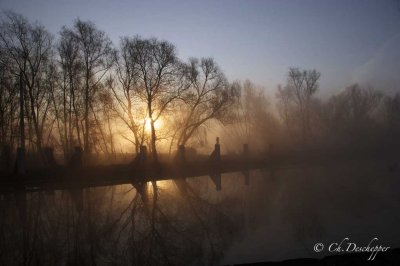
column 157, row 124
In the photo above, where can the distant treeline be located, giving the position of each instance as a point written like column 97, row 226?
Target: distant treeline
column 357, row 118
column 78, row 89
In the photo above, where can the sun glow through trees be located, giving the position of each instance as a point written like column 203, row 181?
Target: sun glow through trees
column 157, row 124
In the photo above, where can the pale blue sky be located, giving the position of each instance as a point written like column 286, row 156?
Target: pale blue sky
column 347, row 41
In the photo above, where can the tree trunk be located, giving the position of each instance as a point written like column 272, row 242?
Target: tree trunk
column 86, row 135
column 153, row 134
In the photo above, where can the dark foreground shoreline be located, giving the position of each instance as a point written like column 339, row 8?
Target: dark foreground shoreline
column 391, row 257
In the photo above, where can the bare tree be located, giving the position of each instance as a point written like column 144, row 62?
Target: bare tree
column 360, row 102
column 284, row 95
column 8, row 103
column 353, row 106
column 51, row 84
column 125, row 91
column 97, row 55
column 158, row 85
column 28, row 46
column 208, row 96
column 253, row 122
column 300, row 87
column 71, row 68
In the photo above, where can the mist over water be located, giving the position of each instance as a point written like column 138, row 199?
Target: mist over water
column 287, row 215
column 276, row 217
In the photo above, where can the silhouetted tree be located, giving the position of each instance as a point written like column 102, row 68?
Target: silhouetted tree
column 97, row 55
column 8, row 104
column 207, row 96
column 28, row 48
column 71, row 69
column 124, row 87
column 158, row 83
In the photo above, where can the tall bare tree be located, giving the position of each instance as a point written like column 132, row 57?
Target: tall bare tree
column 301, row 85
column 8, row 103
column 158, row 79
column 124, row 87
column 28, row 46
column 208, row 96
column 97, row 55
column 71, row 68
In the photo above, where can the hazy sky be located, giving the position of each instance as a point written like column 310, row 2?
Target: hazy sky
column 347, row 41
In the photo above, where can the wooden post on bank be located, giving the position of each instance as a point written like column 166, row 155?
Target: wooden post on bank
column 215, row 160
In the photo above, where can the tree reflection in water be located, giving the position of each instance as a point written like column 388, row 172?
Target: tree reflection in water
column 173, row 223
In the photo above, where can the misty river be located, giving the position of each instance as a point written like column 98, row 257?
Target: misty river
column 280, row 215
